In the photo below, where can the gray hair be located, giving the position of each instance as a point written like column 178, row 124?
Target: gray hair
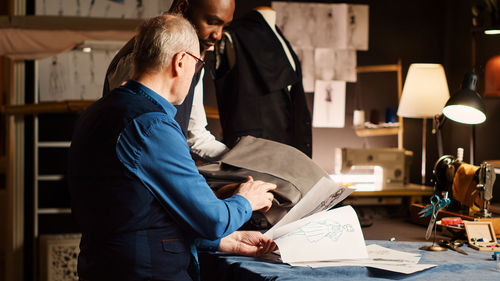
column 159, row 39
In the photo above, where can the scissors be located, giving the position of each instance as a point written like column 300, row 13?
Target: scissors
column 452, row 245
column 436, row 205
column 425, row 212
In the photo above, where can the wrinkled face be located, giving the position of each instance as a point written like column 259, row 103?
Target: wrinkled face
column 209, row 17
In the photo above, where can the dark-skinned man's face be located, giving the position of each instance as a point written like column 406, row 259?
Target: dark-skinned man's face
column 209, row 17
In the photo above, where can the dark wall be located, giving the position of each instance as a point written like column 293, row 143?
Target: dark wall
column 425, row 31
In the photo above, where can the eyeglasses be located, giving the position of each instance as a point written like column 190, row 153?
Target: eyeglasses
column 199, row 63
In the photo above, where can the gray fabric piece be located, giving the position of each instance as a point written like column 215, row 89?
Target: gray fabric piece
column 291, row 170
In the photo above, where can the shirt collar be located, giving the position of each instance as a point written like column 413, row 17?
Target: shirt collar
column 151, row 95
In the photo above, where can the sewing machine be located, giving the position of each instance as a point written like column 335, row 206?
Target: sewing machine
column 373, row 168
column 465, row 183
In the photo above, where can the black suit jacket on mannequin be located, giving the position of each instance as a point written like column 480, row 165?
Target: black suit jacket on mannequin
column 253, row 95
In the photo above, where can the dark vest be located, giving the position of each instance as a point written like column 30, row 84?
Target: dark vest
column 183, row 110
column 136, row 239
column 253, row 97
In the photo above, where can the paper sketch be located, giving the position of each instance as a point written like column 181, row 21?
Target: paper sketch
column 73, row 75
column 331, row 26
column 322, row 196
column 357, row 37
column 297, row 23
column 316, row 231
column 329, row 104
column 327, row 235
column 102, row 8
column 330, row 64
column 306, row 58
column 318, row 25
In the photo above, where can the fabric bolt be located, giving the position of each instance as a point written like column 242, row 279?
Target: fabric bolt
column 253, row 95
column 291, row 170
column 136, row 192
column 464, row 186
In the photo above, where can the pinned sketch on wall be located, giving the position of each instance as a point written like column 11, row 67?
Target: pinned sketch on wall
column 56, row 82
column 330, row 64
column 325, row 236
column 358, row 16
column 329, row 104
column 317, row 25
column 297, row 23
column 306, row 58
column 333, row 31
column 331, row 26
column 73, row 75
column 102, row 8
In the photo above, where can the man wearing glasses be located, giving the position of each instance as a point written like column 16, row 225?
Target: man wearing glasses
column 136, row 193
column 209, row 17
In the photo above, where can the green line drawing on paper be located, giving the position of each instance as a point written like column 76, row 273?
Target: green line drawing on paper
column 316, row 231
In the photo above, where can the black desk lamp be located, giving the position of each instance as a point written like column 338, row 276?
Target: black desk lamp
column 465, row 106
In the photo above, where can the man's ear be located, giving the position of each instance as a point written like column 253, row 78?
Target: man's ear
column 179, row 7
column 178, row 63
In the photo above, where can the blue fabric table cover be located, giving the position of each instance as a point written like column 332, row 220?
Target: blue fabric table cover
column 451, row 266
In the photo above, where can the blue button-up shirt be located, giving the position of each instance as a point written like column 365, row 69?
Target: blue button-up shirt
column 153, row 148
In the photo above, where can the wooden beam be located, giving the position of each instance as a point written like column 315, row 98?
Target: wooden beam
column 48, row 107
column 377, row 68
column 69, row 106
column 68, row 23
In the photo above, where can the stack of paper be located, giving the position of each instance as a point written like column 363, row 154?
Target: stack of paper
column 311, row 235
column 378, row 257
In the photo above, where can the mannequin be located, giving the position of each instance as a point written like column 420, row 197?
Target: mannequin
column 258, row 84
column 269, row 15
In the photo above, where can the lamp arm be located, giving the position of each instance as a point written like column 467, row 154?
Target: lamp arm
column 439, row 120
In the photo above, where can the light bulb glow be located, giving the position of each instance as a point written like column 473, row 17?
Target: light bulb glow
column 464, row 114
column 492, row 31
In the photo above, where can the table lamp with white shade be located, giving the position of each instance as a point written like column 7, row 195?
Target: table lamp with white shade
column 425, row 92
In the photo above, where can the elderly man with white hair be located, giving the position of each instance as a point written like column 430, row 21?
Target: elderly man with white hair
column 136, row 193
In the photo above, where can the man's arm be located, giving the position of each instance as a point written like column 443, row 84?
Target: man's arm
column 248, row 243
column 201, row 141
column 153, row 148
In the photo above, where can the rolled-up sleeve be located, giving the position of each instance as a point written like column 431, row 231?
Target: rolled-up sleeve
column 153, row 148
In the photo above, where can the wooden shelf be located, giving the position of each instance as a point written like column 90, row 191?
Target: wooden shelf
column 68, row 23
column 48, row 107
column 405, row 190
column 369, row 132
column 378, row 68
column 69, row 106
column 386, row 131
column 212, row 112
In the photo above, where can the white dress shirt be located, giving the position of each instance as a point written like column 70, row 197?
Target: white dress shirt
column 202, row 143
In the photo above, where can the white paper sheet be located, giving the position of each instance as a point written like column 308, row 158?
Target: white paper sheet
column 329, row 235
column 102, row 8
column 331, row 64
column 73, row 75
column 306, row 58
column 322, row 196
column 329, row 104
column 380, row 258
column 319, row 25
